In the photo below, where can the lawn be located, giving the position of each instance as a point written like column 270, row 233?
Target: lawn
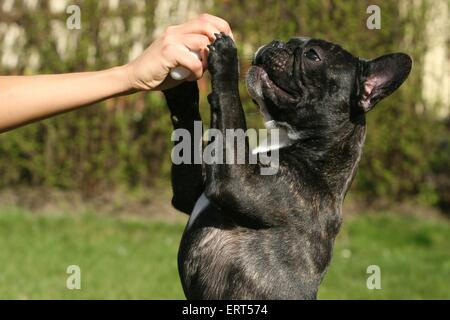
column 131, row 258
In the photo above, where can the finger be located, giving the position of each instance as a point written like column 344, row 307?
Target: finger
column 217, row 22
column 194, row 26
column 182, row 57
column 194, row 42
column 197, row 43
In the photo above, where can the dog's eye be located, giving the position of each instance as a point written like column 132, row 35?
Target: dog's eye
column 311, row 54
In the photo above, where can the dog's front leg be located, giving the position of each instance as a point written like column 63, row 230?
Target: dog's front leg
column 225, row 101
column 226, row 182
column 226, row 108
column 187, row 178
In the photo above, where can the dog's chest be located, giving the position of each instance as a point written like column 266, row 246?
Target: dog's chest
column 214, row 249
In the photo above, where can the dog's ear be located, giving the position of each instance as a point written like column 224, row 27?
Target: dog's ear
column 380, row 77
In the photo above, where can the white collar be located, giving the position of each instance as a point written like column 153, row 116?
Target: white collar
column 286, row 137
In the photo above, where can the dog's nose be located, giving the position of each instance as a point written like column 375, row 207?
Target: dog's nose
column 275, row 44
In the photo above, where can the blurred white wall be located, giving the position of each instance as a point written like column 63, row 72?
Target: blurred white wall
column 436, row 68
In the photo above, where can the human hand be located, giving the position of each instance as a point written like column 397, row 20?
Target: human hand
column 150, row 71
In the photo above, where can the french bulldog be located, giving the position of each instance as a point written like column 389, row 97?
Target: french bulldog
column 253, row 236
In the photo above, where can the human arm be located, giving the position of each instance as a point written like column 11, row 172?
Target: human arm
column 25, row 99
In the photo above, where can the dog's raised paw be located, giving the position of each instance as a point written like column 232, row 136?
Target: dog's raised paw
column 222, row 57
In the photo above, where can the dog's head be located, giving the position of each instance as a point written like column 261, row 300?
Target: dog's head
column 314, row 87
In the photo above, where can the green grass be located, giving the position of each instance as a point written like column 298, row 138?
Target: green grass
column 136, row 257
column 413, row 255
column 119, row 258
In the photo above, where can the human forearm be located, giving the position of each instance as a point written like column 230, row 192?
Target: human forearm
column 24, row 99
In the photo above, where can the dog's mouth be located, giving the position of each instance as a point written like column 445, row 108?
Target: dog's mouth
column 258, row 80
column 261, row 88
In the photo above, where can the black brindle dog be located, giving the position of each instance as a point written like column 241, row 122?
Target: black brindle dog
column 253, row 236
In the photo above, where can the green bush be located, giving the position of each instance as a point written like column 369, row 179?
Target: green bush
column 119, row 142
